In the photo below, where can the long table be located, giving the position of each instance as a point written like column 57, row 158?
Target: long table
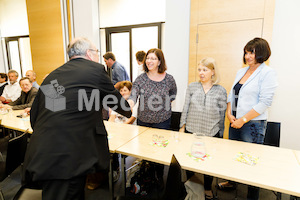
column 277, row 169
column 11, row 121
column 120, row 134
column 297, row 155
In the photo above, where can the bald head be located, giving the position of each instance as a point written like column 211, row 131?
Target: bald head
column 31, row 75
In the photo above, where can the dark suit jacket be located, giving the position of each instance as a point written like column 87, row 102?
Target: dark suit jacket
column 70, row 143
column 22, row 102
column 2, row 88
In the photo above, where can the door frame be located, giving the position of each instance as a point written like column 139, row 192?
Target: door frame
column 123, row 29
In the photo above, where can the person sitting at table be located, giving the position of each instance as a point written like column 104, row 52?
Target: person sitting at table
column 124, row 88
column 32, row 76
column 3, row 82
column 204, row 108
column 12, row 91
column 27, row 96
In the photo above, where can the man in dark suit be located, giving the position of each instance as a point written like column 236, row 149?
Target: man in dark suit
column 69, row 139
column 3, row 82
column 27, row 96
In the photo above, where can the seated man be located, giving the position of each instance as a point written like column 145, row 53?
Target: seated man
column 27, row 96
column 3, row 82
column 12, row 91
column 32, row 76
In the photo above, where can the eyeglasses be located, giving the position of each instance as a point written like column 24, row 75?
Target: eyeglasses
column 151, row 59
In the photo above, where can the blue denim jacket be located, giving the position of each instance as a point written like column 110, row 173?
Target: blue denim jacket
column 256, row 93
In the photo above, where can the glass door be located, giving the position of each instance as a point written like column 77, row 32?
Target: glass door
column 124, row 42
column 19, row 54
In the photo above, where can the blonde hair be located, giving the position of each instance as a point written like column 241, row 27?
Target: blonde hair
column 210, row 63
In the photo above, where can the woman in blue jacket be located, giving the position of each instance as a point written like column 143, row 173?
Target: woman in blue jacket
column 252, row 93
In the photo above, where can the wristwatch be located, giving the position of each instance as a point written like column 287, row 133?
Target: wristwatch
column 244, row 119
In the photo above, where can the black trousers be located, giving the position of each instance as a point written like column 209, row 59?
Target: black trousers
column 71, row 189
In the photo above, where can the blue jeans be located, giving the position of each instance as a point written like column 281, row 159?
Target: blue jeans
column 162, row 125
column 253, row 132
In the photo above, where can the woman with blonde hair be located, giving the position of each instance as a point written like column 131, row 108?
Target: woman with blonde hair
column 204, row 108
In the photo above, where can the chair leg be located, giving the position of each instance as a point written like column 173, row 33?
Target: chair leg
column 110, row 178
column 236, row 193
column 278, row 196
column 123, row 172
column 217, row 181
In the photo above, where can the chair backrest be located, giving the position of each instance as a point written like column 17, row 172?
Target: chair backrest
column 3, row 155
column 272, row 135
column 16, row 152
column 174, row 185
column 175, row 121
column 28, row 194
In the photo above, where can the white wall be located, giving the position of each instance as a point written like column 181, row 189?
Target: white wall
column 176, row 46
column 284, row 59
column 13, row 18
column 130, row 12
column 13, row 22
column 86, row 20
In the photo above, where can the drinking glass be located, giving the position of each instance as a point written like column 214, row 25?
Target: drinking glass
column 198, row 148
column 176, row 136
column 160, row 139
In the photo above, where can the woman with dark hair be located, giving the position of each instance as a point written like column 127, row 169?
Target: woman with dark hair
column 252, row 93
column 156, row 90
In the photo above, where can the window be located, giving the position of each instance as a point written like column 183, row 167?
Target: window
column 18, row 54
column 125, row 41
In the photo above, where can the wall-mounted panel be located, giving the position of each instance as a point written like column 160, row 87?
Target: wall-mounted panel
column 231, row 10
column 225, row 43
column 220, row 29
column 46, row 36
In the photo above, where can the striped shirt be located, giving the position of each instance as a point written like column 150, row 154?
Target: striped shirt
column 204, row 113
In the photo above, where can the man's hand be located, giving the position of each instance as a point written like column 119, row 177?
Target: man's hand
column 2, row 99
column 27, row 111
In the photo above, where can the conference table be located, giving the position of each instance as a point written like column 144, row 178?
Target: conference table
column 276, row 169
column 11, row 121
column 297, row 155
